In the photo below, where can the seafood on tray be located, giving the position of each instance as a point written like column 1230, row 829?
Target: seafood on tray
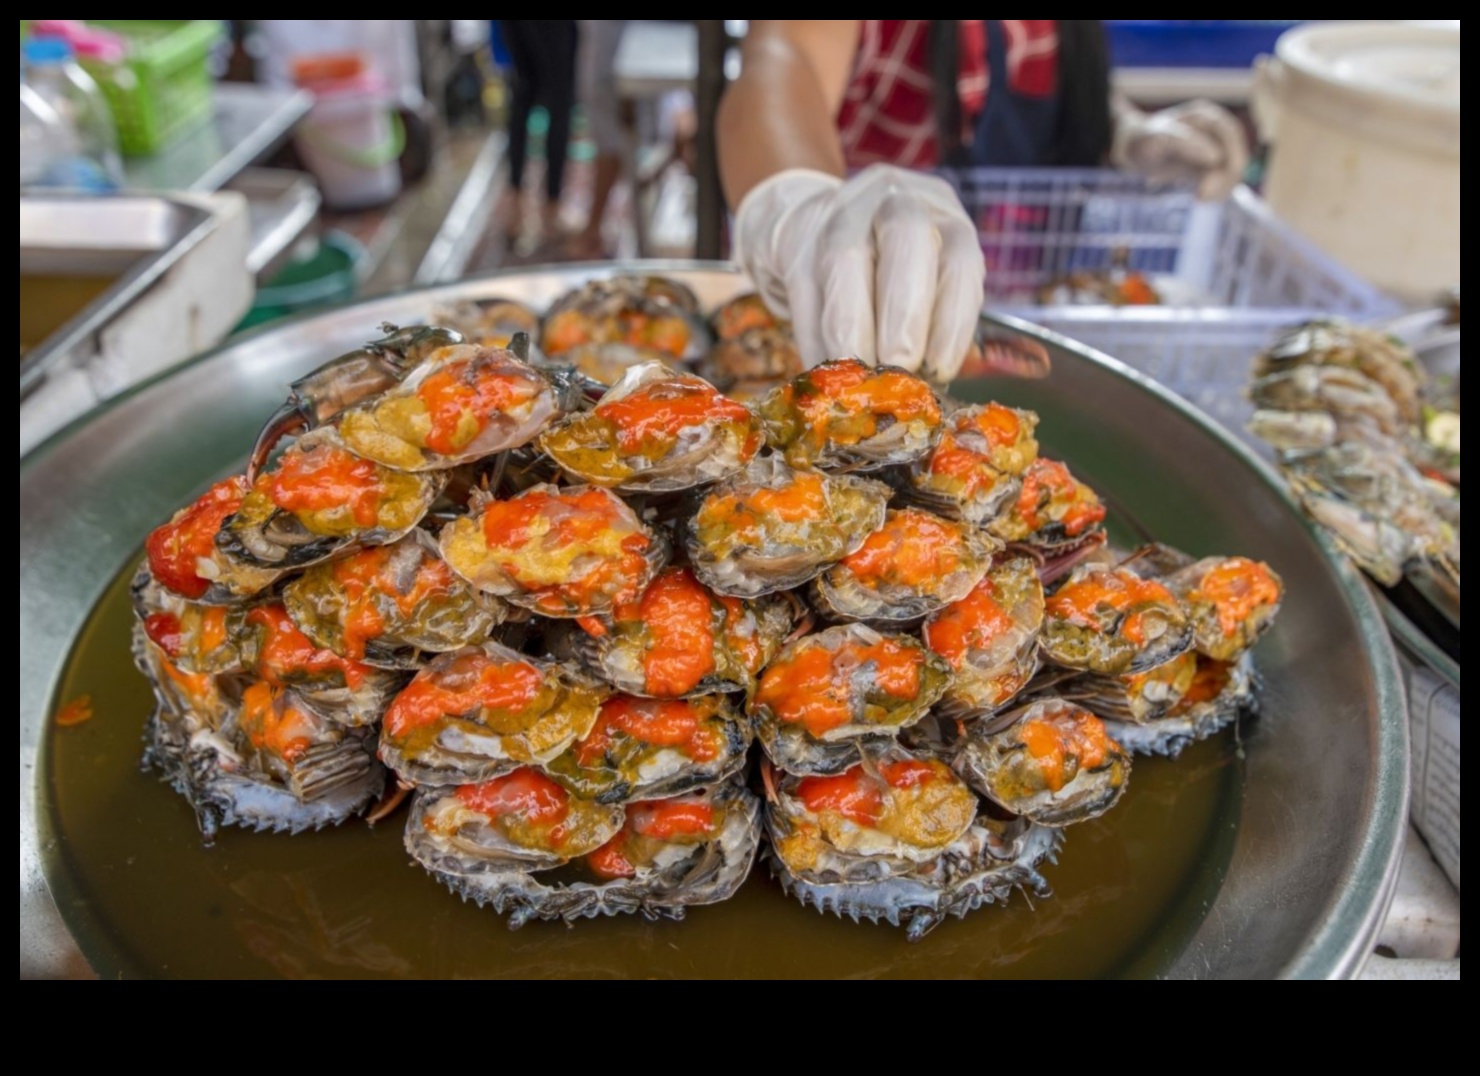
column 554, row 598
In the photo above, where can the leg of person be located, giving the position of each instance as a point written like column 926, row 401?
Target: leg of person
column 560, row 89
column 521, row 101
column 597, row 83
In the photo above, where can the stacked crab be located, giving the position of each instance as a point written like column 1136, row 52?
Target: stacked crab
column 559, row 613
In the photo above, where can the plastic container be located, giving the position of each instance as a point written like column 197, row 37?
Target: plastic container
column 163, row 87
column 1364, row 124
column 79, row 145
column 1231, row 274
column 352, row 138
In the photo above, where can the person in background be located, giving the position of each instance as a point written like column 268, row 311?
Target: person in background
column 597, row 83
column 824, row 137
column 543, row 52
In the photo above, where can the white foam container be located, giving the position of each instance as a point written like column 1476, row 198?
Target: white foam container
column 1363, row 119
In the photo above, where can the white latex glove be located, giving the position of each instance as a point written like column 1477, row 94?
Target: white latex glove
column 885, row 266
column 1197, row 141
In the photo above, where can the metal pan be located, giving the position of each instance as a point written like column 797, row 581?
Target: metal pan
column 1324, row 795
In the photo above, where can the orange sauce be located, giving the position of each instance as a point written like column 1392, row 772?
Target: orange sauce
column 285, row 651
column 526, row 792
column 860, row 394
column 1057, row 740
column 1208, row 682
column 857, row 795
column 468, row 683
column 664, row 820
column 912, row 549
column 365, row 576
column 1237, row 586
column 802, row 499
column 75, row 712
column 971, row 623
column 660, row 411
column 468, row 388
column 812, row 688
column 1047, row 487
column 272, row 724
column 325, row 477
column 176, row 547
column 679, row 616
column 661, row 722
column 747, row 647
column 1093, row 601
column 1000, row 425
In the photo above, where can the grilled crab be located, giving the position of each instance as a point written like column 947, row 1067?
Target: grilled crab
column 485, row 710
column 1050, row 761
column 990, row 638
column 845, row 415
column 915, row 564
column 900, row 838
column 336, row 688
column 1112, row 621
column 318, row 499
column 1054, row 518
column 751, row 345
column 655, row 430
column 1217, row 692
column 391, row 605
column 974, row 472
column 826, row 692
column 489, row 843
column 771, row 528
column 464, row 403
column 185, row 556
column 351, row 378
column 680, row 639
column 572, row 551
column 654, row 748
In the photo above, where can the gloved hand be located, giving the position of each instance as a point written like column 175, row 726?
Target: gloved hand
column 885, row 266
column 1197, row 141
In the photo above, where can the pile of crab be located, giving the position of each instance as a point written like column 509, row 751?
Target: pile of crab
column 561, row 617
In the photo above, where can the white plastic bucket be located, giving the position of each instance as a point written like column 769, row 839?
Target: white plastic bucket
column 351, row 141
column 1364, row 124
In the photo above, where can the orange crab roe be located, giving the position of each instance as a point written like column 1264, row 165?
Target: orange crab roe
column 1056, row 740
column 1095, row 601
column 912, row 549
column 856, row 794
column 273, row 724
column 678, row 613
column 813, row 687
column 1047, row 487
column 323, row 478
column 365, row 576
column 969, row 624
column 660, row 722
column 462, row 397
column 661, row 820
column 175, row 548
column 654, row 415
column 842, row 400
column 1236, row 586
column 284, row 651
column 466, row 683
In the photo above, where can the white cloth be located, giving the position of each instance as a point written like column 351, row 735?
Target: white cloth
column 1197, row 142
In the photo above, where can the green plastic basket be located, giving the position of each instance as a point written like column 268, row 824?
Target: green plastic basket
column 163, row 88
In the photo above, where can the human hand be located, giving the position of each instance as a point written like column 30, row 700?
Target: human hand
column 1197, row 141
column 885, row 266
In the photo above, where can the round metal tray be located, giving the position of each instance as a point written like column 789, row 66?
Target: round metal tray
column 1324, row 792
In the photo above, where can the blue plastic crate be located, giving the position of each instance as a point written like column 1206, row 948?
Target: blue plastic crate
column 1191, row 43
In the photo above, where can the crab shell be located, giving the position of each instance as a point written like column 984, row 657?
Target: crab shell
column 876, row 684
column 973, row 472
column 414, row 603
column 536, row 710
column 1199, row 714
column 1376, row 354
column 716, row 440
column 915, row 564
column 1053, row 514
column 379, row 505
column 624, row 315
column 1050, row 761
column 465, row 403
column 1111, row 621
column 336, row 688
column 491, row 322
column 1134, row 698
column 846, row 415
column 197, row 637
column 185, row 554
column 1231, row 602
column 678, row 877
column 837, row 865
column 990, row 638
column 679, row 639
column 585, row 552
column 647, row 749
column 739, row 545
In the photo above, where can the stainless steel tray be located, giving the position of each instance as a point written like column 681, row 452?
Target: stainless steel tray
column 134, row 238
column 1324, row 795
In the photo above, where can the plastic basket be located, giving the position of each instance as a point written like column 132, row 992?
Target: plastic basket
column 1233, row 275
column 164, row 87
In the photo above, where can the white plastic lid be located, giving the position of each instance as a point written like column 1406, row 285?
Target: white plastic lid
column 1409, row 64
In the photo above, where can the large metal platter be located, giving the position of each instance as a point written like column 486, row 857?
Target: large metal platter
column 1320, row 817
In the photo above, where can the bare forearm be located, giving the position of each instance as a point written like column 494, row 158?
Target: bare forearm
column 776, row 115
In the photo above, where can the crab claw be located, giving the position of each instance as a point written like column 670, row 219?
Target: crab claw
column 1006, row 354
column 286, row 421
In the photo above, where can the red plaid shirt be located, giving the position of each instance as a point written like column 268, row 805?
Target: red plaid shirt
column 887, row 114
